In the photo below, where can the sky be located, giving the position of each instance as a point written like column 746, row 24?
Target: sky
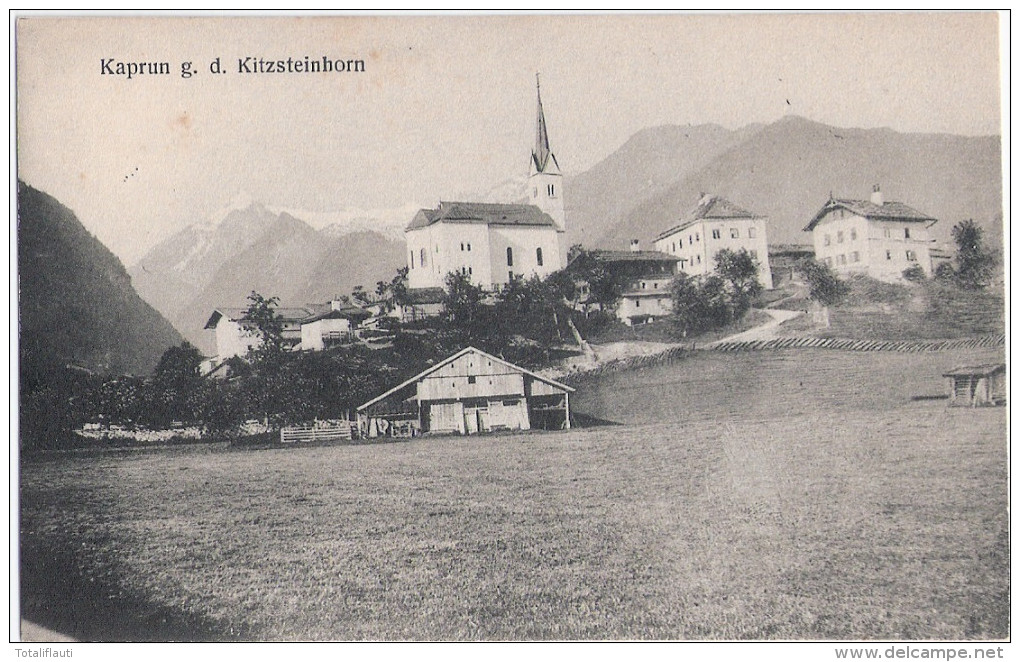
column 445, row 106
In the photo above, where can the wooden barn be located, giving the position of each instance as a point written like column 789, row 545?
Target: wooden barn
column 978, row 385
column 468, row 393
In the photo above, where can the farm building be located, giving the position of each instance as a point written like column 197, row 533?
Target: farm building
column 644, row 277
column 467, row 393
column 976, row 386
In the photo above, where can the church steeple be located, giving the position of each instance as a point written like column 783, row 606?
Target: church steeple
column 546, row 181
column 541, row 154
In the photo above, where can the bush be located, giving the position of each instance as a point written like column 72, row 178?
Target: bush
column 914, row 274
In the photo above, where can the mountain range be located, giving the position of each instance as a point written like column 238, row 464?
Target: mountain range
column 76, row 305
column 219, row 263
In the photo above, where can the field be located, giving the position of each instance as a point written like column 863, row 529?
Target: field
column 777, row 495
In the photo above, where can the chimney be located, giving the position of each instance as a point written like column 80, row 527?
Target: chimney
column 876, row 195
column 635, row 245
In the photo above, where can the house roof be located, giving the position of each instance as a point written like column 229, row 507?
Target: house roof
column 892, row 211
column 451, row 359
column 982, row 370
column 290, row 315
column 632, row 256
column 483, row 213
column 286, row 315
column 423, row 295
column 709, row 208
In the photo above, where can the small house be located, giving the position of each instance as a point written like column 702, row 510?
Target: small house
column 467, row 393
column 978, row 385
column 644, row 278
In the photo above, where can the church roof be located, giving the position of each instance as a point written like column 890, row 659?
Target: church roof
column 892, row 211
column 484, row 213
column 709, row 208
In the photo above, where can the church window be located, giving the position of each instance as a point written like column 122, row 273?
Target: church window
column 509, row 256
column 906, row 233
column 412, row 260
column 752, row 233
column 552, row 190
column 422, row 261
column 717, row 234
column 538, row 255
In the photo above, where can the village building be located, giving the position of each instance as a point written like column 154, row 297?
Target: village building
column 978, row 385
column 469, row 392
column 312, row 328
column 489, row 242
column 715, row 224
column 786, row 261
column 875, row 237
column 644, row 278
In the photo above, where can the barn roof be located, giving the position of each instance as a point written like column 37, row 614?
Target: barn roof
column 483, row 213
column 982, row 370
column 632, row 256
column 454, row 357
column 890, row 211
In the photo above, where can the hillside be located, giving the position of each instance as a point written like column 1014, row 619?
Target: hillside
column 76, row 302
column 787, row 169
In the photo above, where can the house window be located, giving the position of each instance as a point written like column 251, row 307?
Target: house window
column 538, row 255
column 855, row 256
column 839, row 237
column 509, row 256
column 828, row 240
column 906, row 233
column 534, row 192
column 690, row 239
column 469, row 247
column 674, row 247
column 637, row 303
column 470, row 272
column 412, row 260
column 911, row 256
column 471, row 379
column 716, row 234
column 655, row 286
column 888, row 255
column 853, row 234
column 697, row 236
column 552, row 190
column 887, row 233
column 752, row 233
column 734, row 233
column 699, row 259
column 462, row 245
column 681, row 243
column 643, row 284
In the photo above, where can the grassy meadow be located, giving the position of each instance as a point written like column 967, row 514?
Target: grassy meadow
column 764, row 495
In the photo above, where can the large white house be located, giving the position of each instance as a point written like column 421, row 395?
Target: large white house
column 716, row 223
column 490, row 243
column 873, row 236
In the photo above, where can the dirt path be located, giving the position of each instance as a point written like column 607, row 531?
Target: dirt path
column 763, row 332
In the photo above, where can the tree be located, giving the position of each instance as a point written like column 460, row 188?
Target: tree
column 824, row 286
column 740, row 271
column 174, row 392
column 360, row 295
column 267, row 327
column 180, row 366
column 700, row 304
column 975, row 264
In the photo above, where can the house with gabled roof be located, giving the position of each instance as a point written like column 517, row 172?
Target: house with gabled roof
column 469, row 392
column 877, row 237
column 712, row 225
column 492, row 242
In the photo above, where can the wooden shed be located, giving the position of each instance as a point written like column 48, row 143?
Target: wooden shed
column 977, row 385
column 470, row 392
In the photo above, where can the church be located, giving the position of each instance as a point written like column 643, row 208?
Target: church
column 491, row 243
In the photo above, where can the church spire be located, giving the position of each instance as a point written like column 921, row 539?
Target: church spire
column 541, row 153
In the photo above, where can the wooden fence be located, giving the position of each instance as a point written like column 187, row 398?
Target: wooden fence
column 322, row 431
column 863, row 345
